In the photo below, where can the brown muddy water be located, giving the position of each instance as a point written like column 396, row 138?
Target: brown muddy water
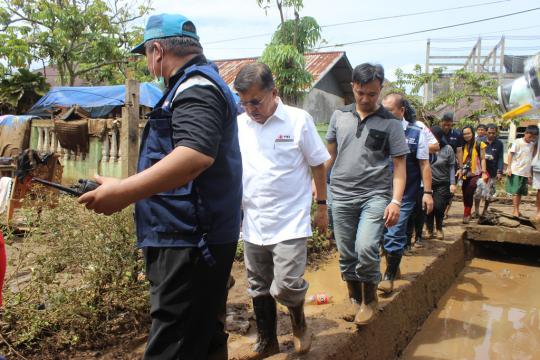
column 492, row 311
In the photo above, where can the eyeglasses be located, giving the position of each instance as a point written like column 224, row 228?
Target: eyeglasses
column 253, row 102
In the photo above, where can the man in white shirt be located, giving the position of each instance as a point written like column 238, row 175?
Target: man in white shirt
column 520, row 156
column 417, row 218
column 279, row 146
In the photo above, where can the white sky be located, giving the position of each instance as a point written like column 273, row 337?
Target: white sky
column 217, row 21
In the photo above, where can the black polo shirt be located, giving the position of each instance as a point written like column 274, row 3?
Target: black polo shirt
column 494, row 157
column 198, row 115
column 454, row 138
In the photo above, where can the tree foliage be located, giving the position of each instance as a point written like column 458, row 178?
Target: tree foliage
column 458, row 90
column 86, row 39
column 285, row 53
column 18, row 92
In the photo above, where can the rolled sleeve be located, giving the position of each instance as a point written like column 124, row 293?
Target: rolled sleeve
column 311, row 144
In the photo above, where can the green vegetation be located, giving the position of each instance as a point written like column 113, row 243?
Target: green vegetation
column 321, row 129
column 80, row 282
column 285, row 53
column 462, row 89
column 82, row 39
column 20, row 91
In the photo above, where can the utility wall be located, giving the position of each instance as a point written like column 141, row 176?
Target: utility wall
column 324, row 99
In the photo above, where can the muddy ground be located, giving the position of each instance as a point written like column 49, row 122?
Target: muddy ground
column 426, row 275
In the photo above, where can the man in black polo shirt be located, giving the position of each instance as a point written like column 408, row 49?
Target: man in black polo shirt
column 187, row 192
column 494, row 165
column 363, row 139
column 453, row 138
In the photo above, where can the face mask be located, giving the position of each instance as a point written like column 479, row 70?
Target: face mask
column 159, row 81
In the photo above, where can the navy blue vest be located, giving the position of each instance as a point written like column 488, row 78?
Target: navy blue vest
column 414, row 175
column 207, row 209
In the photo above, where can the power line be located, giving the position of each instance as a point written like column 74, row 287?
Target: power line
column 445, row 39
column 432, row 29
column 414, row 14
column 368, row 20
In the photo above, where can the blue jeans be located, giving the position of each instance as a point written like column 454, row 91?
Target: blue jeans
column 358, row 228
column 395, row 238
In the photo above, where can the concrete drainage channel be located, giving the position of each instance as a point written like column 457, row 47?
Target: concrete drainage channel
column 492, row 311
column 426, row 279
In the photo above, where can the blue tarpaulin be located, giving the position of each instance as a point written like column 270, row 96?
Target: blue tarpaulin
column 92, row 98
column 9, row 120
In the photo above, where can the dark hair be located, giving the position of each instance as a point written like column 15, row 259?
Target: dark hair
column 472, row 131
column 410, row 113
column 177, row 45
column 481, row 126
column 448, row 116
column 254, row 74
column 532, row 129
column 438, row 132
column 492, row 126
column 366, row 72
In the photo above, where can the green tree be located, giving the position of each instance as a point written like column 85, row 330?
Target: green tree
column 285, row 53
column 86, row 39
column 461, row 89
column 18, row 92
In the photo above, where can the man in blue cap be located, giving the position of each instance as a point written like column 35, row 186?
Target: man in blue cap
column 187, row 193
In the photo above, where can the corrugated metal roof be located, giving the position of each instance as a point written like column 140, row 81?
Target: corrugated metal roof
column 318, row 64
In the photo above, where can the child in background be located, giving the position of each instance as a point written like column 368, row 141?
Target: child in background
column 519, row 173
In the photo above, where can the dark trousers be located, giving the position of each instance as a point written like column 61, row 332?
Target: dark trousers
column 187, row 300
column 469, row 187
column 441, row 199
column 416, row 220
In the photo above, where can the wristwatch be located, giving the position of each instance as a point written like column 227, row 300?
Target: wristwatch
column 429, row 192
column 321, row 202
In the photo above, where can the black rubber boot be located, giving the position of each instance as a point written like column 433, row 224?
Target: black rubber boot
column 302, row 334
column 355, row 292
column 266, row 318
column 355, row 297
column 370, row 304
column 391, row 273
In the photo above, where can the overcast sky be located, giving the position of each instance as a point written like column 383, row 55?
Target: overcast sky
column 219, row 21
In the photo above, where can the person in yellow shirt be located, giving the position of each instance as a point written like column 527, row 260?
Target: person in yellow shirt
column 474, row 166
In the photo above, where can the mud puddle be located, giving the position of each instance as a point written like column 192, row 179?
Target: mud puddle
column 491, row 312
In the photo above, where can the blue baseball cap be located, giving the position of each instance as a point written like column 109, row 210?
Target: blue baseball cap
column 164, row 26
